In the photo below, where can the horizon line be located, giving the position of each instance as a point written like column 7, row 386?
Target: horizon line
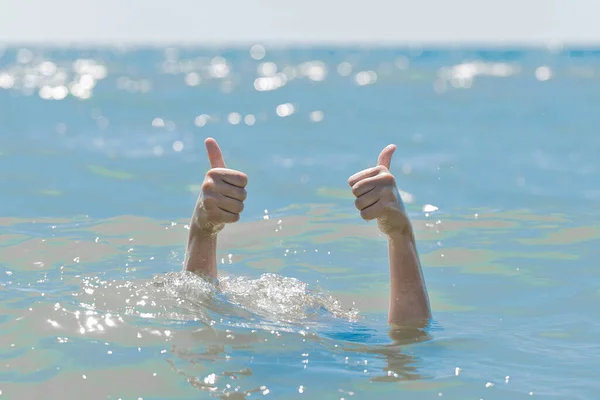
column 551, row 45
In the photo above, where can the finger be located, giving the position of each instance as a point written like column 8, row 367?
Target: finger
column 368, row 184
column 230, row 205
column 228, row 217
column 230, row 176
column 372, row 212
column 385, row 157
column 367, row 200
column 215, row 157
column 365, row 173
column 212, row 204
column 382, row 180
column 364, row 186
column 231, row 191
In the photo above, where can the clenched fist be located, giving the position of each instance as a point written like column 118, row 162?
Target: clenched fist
column 223, row 193
column 377, row 196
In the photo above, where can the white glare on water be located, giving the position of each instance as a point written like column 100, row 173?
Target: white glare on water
column 285, row 110
column 316, row 116
column 543, row 73
column 257, row 52
column 234, row 118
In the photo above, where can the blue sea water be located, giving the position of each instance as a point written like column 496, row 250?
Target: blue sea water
column 101, row 155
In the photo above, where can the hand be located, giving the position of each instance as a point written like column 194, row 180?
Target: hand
column 377, row 196
column 223, row 193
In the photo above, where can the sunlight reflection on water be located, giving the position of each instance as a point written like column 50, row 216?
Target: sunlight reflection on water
column 98, row 186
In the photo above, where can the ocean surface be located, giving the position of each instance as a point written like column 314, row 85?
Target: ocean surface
column 102, row 157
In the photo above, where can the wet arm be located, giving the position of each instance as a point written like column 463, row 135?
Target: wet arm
column 220, row 202
column 201, row 252
column 409, row 302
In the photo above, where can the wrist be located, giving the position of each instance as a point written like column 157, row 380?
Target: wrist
column 404, row 234
column 395, row 224
column 201, row 227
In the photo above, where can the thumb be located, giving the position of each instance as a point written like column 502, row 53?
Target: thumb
column 385, row 157
column 215, row 157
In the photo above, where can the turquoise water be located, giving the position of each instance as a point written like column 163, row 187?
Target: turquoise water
column 102, row 157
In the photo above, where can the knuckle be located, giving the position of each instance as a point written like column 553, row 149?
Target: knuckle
column 243, row 178
column 208, row 185
column 388, row 179
column 381, row 169
column 235, row 218
column 213, row 174
column 243, row 194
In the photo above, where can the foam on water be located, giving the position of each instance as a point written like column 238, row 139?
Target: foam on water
column 279, row 298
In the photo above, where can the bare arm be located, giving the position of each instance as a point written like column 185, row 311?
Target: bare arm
column 409, row 302
column 201, row 252
column 377, row 197
column 221, row 201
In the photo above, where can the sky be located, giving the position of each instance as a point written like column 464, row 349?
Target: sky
column 305, row 21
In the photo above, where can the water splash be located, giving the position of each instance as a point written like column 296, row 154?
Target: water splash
column 281, row 298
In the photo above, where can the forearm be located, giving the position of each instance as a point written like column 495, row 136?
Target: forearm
column 201, row 252
column 220, row 202
column 409, row 302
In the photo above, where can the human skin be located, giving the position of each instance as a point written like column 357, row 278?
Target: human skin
column 221, row 202
column 377, row 197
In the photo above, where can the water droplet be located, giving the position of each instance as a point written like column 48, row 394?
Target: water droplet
column 428, row 208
